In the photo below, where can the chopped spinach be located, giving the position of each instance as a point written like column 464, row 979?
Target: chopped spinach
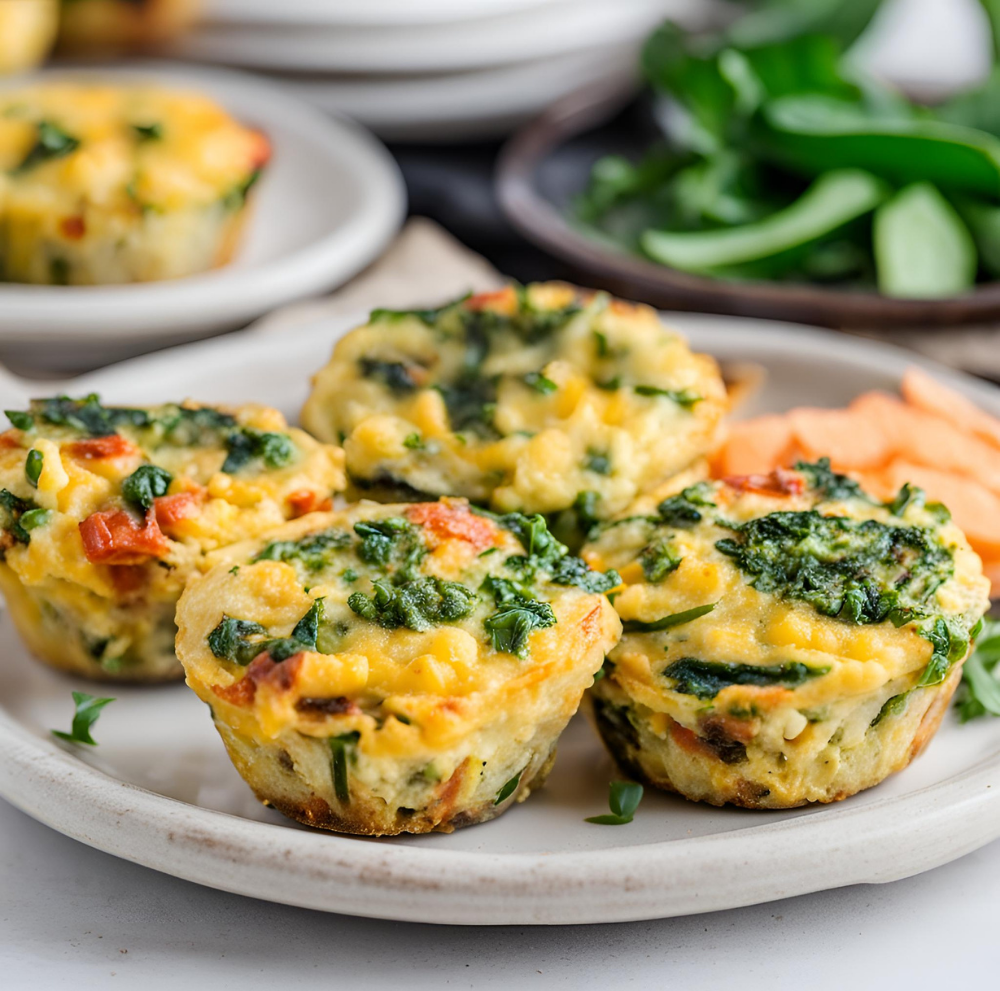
column 51, row 142
column 237, row 196
column 659, row 559
column 509, row 788
column 418, row 604
column 13, row 509
column 471, row 402
column 245, row 445
column 569, row 570
column 23, row 421
column 685, row 398
column 538, row 382
column 516, row 616
column 146, row 484
column 230, row 640
column 88, row 415
column 705, row 679
column 148, row 132
column 88, row 711
column 33, row 464
column 394, row 545
column 828, row 483
column 429, row 317
column 397, row 376
column 413, row 442
column 859, row 571
column 313, row 552
column 668, row 622
column 949, row 645
column 908, row 495
column 892, row 707
column 598, row 462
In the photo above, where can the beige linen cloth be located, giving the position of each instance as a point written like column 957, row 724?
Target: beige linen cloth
column 426, row 266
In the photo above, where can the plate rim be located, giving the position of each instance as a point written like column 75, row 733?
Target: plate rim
column 225, row 296
column 901, row 834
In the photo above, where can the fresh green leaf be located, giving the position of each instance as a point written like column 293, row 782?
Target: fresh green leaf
column 146, row 484
column 949, row 645
column 668, row 622
column 33, row 467
column 88, row 711
column 623, row 800
column 508, row 789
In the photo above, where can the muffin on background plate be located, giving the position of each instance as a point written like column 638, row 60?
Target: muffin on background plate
column 542, row 399
column 395, row 668
column 106, row 511
column 27, row 32
column 108, row 184
column 787, row 639
column 104, row 27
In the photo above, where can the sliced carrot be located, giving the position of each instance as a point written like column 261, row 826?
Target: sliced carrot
column 755, row 446
column 921, row 390
column 843, row 436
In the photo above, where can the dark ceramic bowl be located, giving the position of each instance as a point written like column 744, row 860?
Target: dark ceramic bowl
column 548, row 162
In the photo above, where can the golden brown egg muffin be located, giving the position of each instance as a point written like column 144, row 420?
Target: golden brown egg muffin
column 786, row 638
column 113, row 26
column 395, row 668
column 542, row 399
column 114, row 184
column 105, row 512
column 27, row 31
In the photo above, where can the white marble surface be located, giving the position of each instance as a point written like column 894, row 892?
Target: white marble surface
column 71, row 917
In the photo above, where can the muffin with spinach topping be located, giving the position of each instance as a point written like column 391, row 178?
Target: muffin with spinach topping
column 395, row 668
column 786, row 640
column 105, row 184
column 545, row 399
column 106, row 511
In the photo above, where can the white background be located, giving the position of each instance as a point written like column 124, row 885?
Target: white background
column 71, row 917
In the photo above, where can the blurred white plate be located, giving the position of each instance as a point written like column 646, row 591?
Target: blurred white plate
column 464, row 105
column 541, row 32
column 160, row 791
column 374, row 12
column 329, row 203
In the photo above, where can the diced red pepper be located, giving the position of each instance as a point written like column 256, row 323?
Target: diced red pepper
column 304, row 501
column 101, row 448
column 114, row 537
column 171, row 509
column 73, row 228
column 454, row 521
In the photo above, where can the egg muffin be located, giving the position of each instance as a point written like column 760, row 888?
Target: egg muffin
column 27, row 31
column 545, row 399
column 395, row 668
column 106, row 511
column 111, row 26
column 787, row 639
column 114, row 184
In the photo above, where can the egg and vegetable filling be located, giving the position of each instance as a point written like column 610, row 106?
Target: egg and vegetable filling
column 787, row 639
column 112, row 184
column 106, row 511
column 395, row 668
column 543, row 399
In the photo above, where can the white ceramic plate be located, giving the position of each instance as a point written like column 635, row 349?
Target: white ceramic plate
column 371, row 12
column 328, row 204
column 160, row 791
column 541, row 32
column 464, row 105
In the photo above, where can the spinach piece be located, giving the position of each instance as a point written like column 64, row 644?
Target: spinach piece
column 23, row 421
column 685, row 509
column 538, row 382
column 570, row 570
column 892, row 707
column 509, row 788
column 471, row 402
column 908, row 495
column 413, row 442
column 949, row 645
column 668, row 622
column 598, row 462
column 88, row 415
column 51, row 142
column 146, row 484
column 313, row 552
column 828, row 483
column 623, row 799
column 343, row 750
column 245, row 445
column 237, row 196
column 429, row 317
column 659, row 559
column 35, row 518
column 859, row 571
column 230, row 640
column 516, row 616
column 419, row 604
column 201, row 427
column 683, row 397
column 33, row 464
column 979, row 693
column 147, row 132
column 705, row 679
column 14, row 510
column 88, row 711
column 397, row 376
column 392, row 545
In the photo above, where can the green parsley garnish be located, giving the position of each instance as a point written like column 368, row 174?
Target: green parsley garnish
column 88, row 710
column 623, row 799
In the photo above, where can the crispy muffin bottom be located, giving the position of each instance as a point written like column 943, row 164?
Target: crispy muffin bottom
column 688, row 766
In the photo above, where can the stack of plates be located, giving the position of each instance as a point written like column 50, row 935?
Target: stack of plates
column 434, row 69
